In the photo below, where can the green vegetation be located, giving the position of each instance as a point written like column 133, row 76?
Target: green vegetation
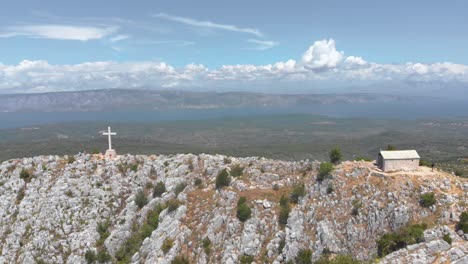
column 304, row 257
column 237, row 170
column 281, row 245
column 360, row 158
column 133, row 243
column 141, row 199
column 427, row 199
column 102, row 255
column 244, row 259
column 324, row 171
column 330, row 188
column 356, row 206
column 25, row 175
column 198, row 182
column 90, row 256
column 339, row 259
column 223, row 179
column 426, row 163
column 172, row 205
column 391, row 147
column 335, row 155
column 227, row 160
column 405, row 236
column 297, row 193
column 447, row 238
column 134, row 167
column 180, row 260
column 207, row 245
column 284, row 211
column 180, row 188
column 243, row 209
column 103, row 230
column 159, row 189
column 71, row 159
column 167, row 245
column 463, row 223
column 20, row 195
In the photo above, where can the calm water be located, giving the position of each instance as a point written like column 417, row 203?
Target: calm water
column 398, row 111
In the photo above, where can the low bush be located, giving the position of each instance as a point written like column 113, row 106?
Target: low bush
column 180, row 188
column 198, row 182
column 304, row 257
column 25, row 175
column 463, row 223
column 159, row 189
column 207, row 245
column 237, row 170
column 172, row 205
column 397, row 240
column 425, row 163
column 141, row 199
column 427, row 199
column 90, row 256
column 103, row 230
column 71, row 159
column 447, row 239
column 243, row 210
column 222, row 180
column 297, row 193
column 180, row 260
column 335, row 155
column 330, row 188
column 134, row 167
column 324, row 171
column 339, row 259
column 102, row 256
column 363, row 159
column 284, row 211
column 244, row 259
column 167, row 245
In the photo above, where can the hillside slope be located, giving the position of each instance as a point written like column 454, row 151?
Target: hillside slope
column 58, row 209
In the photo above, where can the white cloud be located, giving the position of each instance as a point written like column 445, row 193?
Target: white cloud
column 322, row 64
column 322, row 55
column 59, row 32
column 208, row 24
column 263, row 44
column 119, row 38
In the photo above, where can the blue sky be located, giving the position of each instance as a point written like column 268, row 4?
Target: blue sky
column 216, row 33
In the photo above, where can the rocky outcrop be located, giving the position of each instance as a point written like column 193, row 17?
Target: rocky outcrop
column 51, row 206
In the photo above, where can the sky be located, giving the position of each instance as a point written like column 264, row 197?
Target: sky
column 277, row 46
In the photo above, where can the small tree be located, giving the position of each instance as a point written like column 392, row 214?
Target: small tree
column 172, row 205
column 237, row 170
column 324, row 171
column 140, row 199
column 222, row 179
column 90, row 256
column 463, row 224
column 243, row 210
column 427, row 199
column 335, row 155
column 297, row 193
column 391, row 147
column 25, row 175
column 159, row 189
column 304, row 257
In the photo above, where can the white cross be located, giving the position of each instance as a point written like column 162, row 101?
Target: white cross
column 109, row 133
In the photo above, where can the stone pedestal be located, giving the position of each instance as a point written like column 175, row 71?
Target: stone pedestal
column 110, row 154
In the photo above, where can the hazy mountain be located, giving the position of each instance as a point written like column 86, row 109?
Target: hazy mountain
column 101, row 100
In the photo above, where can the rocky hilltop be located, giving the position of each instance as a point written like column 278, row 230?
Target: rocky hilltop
column 154, row 209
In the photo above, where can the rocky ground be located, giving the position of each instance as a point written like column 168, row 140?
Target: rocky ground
column 51, row 206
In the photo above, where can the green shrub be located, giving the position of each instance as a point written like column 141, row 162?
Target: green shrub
column 425, row 163
column 180, row 188
column 180, row 260
column 21, row 193
column 363, row 159
column 172, row 205
column 166, row 163
column 339, row 259
column 222, row 179
column 207, row 245
column 458, row 172
column 283, row 200
column 198, row 182
column 243, row 210
column 397, row 240
column 102, row 255
column 281, row 245
column 391, row 147
column 284, row 215
column 244, row 259
column 304, row 257
column 103, row 230
column 159, row 189
column 95, row 151
column 463, row 224
column 356, row 205
column 324, row 171
column 237, row 170
column 167, row 245
column 427, row 199
column 330, row 188
column 71, row 159
column 297, row 193
column 227, row 160
column 134, row 167
column 276, row 187
column 141, row 199
column 90, row 256
column 25, row 175
column 447, row 238
column 335, row 155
